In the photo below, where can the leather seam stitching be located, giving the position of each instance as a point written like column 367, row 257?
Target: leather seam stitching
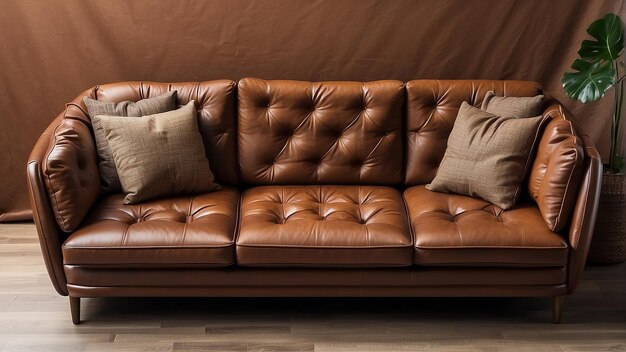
column 260, row 245
column 567, row 187
column 584, row 210
column 174, row 247
column 489, row 247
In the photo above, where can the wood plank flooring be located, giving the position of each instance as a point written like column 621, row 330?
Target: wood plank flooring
column 33, row 317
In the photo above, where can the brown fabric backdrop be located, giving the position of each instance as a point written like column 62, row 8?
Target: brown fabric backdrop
column 52, row 50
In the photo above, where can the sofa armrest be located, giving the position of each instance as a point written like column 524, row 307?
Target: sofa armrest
column 557, row 170
column 584, row 216
column 50, row 236
column 63, row 183
column 70, row 172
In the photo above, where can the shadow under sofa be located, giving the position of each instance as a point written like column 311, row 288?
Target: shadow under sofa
column 323, row 196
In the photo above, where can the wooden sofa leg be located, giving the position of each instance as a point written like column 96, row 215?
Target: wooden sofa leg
column 557, row 309
column 75, row 309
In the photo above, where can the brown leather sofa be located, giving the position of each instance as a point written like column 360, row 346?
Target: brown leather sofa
column 323, row 196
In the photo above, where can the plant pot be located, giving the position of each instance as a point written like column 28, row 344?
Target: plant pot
column 609, row 238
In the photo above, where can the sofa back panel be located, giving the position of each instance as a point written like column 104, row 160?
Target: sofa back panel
column 215, row 102
column 432, row 106
column 295, row 132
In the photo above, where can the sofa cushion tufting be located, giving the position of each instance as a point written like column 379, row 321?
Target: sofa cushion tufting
column 182, row 231
column 319, row 226
column 459, row 230
column 294, row 132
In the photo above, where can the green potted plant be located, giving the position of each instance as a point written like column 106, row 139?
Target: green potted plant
column 599, row 69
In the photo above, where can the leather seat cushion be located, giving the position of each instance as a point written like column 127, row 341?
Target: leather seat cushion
column 193, row 230
column 452, row 229
column 323, row 226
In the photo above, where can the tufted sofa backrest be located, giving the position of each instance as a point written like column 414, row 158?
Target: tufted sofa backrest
column 432, row 106
column 215, row 103
column 294, row 132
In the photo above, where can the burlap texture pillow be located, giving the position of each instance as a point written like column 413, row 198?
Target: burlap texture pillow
column 108, row 174
column 487, row 156
column 158, row 155
column 512, row 106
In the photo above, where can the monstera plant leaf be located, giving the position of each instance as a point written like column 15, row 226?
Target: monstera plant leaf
column 597, row 70
column 591, row 80
column 595, row 73
column 608, row 33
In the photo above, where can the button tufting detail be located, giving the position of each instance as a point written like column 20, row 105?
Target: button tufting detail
column 324, row 207
column 328, row 118
column 193, row 230
column 455, row 229
column 319, row 218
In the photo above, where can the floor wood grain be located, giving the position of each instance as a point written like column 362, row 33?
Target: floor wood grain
column 33, row 317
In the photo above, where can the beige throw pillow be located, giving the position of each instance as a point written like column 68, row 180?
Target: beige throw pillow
column 512, row 106
column 158, row 155
column 108, row 174
column 487, row 156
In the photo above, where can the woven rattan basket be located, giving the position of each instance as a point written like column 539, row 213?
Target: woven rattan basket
column 609, row 238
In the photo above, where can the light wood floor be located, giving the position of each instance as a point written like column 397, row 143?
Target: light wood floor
column 33, row 317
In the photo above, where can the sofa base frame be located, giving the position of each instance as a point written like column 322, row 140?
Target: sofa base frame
column 556, row 292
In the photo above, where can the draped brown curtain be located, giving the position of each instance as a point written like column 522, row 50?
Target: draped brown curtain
column 52, row 50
